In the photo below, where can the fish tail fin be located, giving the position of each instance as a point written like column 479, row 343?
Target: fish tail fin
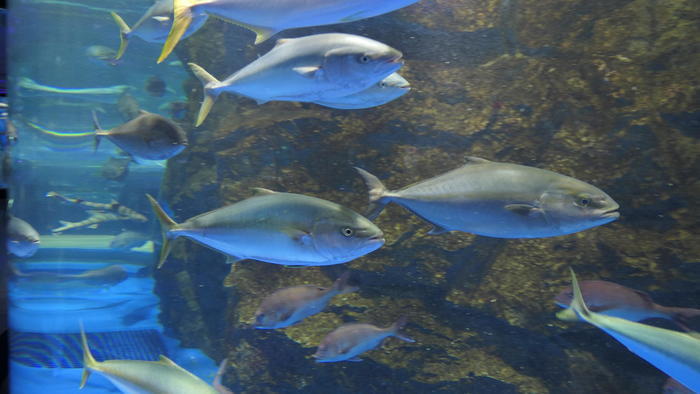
column 166, row 224
column 182, row 17
column 377, row 193
column 341, row 285
column 88, row 360
column 397, row 327
column 210, row 95
column 578, row 305
column 124, row 31
column 98, row 131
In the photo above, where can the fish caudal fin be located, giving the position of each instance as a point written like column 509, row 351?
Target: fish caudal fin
column 341, row 285
column 124, row 31
column 166, row 224
column 377, row 193
column 88, row 360
column 98, row 131
column 397, row 327
column 182, row 17
column 209, row 94
column 578, row 305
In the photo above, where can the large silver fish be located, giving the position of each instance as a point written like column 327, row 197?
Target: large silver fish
column 288, row 306
column 154, row 25
column 269, row 17
column 278, row 228
column 140, row 377
column 22, row 239
column 146, row 137
column 348, row 341
column 388, row 89
column 677, row 354
column 499, row 200
column 311, row 68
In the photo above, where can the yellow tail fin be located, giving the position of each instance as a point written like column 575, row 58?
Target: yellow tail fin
column 124, row 31
column 182, row 17
column 88, row 360
column 166, row 224
column 209, row 94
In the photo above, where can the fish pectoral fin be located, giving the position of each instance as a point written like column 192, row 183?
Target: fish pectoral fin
column 523, row 209
column 437, row 229
column 355, row 359
column 311, row 72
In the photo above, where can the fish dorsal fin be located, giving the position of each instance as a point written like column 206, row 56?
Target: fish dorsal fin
column 282, row 41
column 166, row 361
column 475, row 160
column 645, row 296
column 261, row 191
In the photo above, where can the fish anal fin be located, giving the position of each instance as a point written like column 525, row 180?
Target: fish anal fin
column 261, row 191
column 311, row 72
column 523, row 209
column 437, row 229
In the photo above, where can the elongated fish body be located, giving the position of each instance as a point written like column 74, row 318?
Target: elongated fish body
column 110, row 94
column 348, row 341
column 102, row 277
column 146, row 137
column 141, row 377
column 267, row 18
column 500, row 200
column 675, row 353
column 311, row 68
column 22, row 239
column 154, row 25
column 612, row 299
column 278, row 228
column 388, row 89
column 290, row 305
column 128, row 239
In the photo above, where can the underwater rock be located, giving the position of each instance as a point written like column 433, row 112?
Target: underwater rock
column 580, row 88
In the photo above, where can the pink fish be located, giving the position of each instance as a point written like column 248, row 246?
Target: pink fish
column 611, row 299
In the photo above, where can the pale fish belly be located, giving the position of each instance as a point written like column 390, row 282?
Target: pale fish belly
column 489, row 219
column 270, row 247
column 366, row 344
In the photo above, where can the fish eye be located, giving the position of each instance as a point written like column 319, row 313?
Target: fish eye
column 348, row 232
column 364, row 59
column 583, row 201
column 382, row 84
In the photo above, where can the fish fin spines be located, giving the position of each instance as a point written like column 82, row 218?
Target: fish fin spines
column 124, row 31
column 377, row 193
column 210, row 95
column 88, row 359
column 166, row 224
column 577, row 303
column 182, row 17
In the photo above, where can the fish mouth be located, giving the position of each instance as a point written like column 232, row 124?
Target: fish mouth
column 377, row 238
column 395, row 59
column 611, row 213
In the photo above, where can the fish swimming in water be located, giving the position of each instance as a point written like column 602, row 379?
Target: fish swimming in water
column 267, row 18
column 95, row 218
column 278, row 228
column 128, row 107
column 611, row 299
column 388, row 89
column 153, row 26
column 48, row 280
column 101, row 54
column 499, row 200
column 137, row 376
column 319, row 67
column 155, row 86
column 128, row 240
column 675, row 353
column 146, row 137
column 22, row 239
column 115, row 168
column 113, row 206
column 288, row 306
column 348, row 341
column 28, row 87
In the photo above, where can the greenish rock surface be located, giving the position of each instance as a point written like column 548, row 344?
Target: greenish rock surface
column 605, row 91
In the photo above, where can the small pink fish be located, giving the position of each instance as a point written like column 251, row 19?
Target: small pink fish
column 616, row 300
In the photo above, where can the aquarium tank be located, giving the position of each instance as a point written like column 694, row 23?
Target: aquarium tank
column 352, row 196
